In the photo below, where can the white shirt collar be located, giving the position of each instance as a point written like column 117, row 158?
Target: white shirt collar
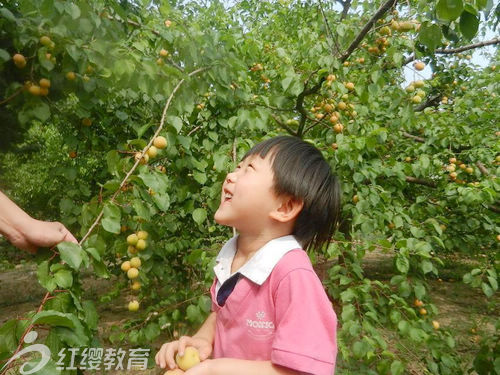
column 260, row 265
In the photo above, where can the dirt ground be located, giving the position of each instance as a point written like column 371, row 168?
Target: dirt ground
column 460, row 307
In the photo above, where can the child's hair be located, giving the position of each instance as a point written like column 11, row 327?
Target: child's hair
column 301, row 171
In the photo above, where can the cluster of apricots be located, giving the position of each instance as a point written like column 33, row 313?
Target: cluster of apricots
column 159, row 143
column 331, row 109
column 422, row 311
column 415, row 89
column 163, row 54
column 455, row 167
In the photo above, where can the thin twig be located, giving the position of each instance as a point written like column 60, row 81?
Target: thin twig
column 451, row 51
column 329, row 30
column 414, row 137
column 16, row 93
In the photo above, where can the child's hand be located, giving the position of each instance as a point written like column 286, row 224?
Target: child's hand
column 166, row 354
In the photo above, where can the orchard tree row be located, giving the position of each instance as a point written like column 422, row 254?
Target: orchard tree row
column 122, row 120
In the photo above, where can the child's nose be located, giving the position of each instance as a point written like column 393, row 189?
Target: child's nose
column 231, row 177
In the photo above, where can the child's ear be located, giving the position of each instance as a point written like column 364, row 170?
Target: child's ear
column 288, row 210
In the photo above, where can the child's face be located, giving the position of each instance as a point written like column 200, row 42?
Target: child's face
column 248, row 196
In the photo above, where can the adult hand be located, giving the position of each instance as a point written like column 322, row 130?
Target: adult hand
column 36, row 233
column 27, row 233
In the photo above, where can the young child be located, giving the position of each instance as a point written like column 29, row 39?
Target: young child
column 270, row 313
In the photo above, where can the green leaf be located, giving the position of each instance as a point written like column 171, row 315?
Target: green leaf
column 193, row 313
column 426, row 266
column 44, row 278
column 71, row 253
column 200, row 177
column 111, row 219
column 402, row 263
column 56, row 318
column 162, row 201
column 430, row 35
column 469, row 24
column 72, row 10
column 64, row 278
column 41, row 111
column 397, row 368
column 199, row 215
column 449, row 10
column 8, row 340
column 91, row 316
column 487, row 290
column 4, row 55
column 7, row 14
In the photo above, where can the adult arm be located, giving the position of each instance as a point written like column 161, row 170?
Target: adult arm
column 27, row 233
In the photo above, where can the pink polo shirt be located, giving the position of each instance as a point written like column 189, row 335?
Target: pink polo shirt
column 287, row 319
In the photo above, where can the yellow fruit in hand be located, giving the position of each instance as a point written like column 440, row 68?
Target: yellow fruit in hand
column 141, row 245
column 132, row 239
column 190, row 358
column 142, row 235
column 133, row 305
column 135, row 262
column 133, row 273
column 125, row 266
column 160, row 142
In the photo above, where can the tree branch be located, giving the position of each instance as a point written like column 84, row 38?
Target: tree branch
column 380, row 12
column 494, row 208
column 414, row 137
column 482, row 168
column 282, row 124
column 299, row 106
column 451, row 51
column 431, row 102
column 420, row 181
column 346, row 5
